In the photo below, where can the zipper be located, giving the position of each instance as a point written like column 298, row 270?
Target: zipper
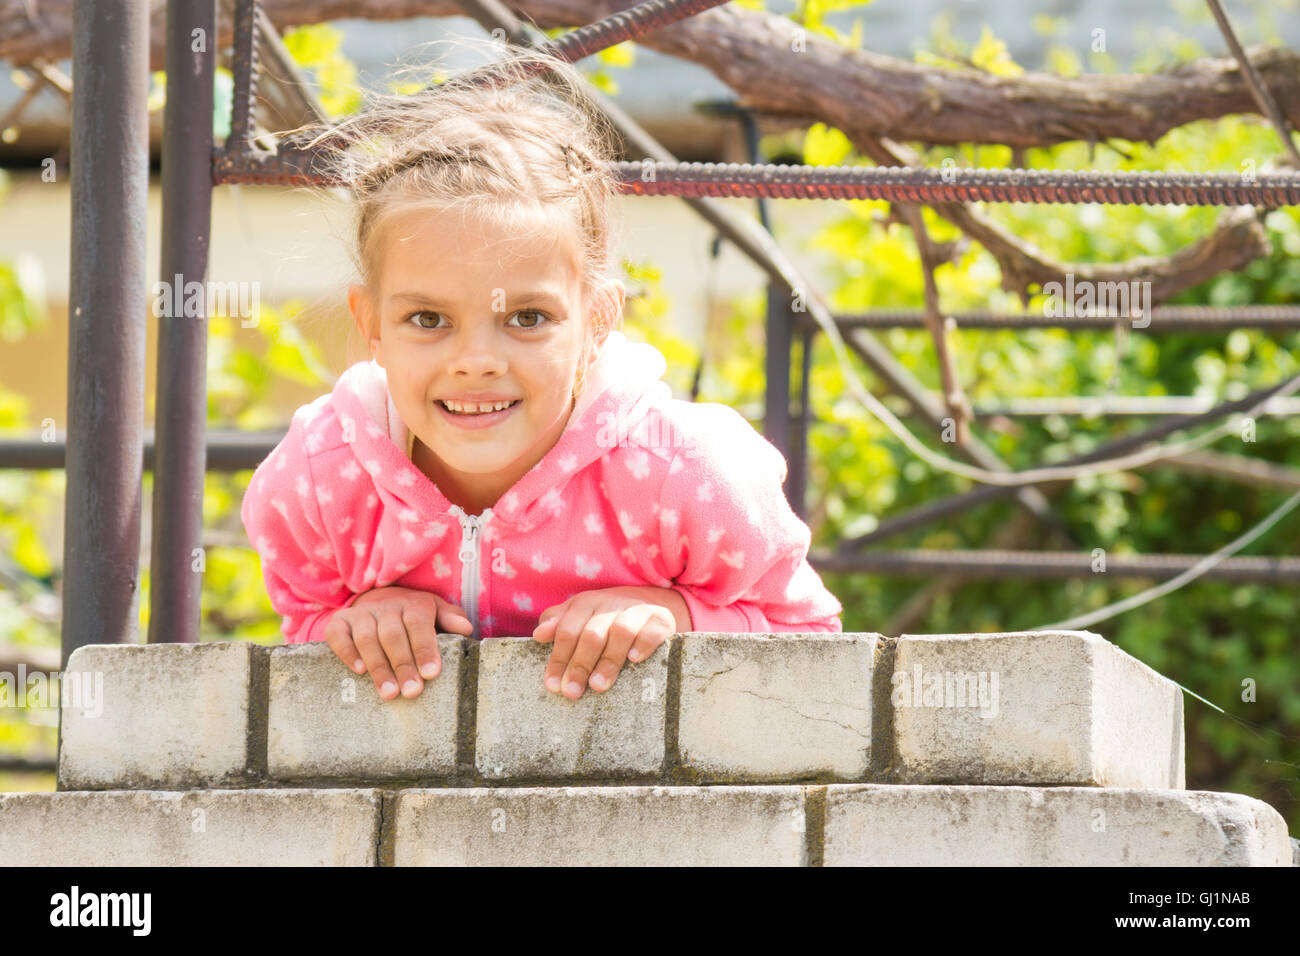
column 471, row 527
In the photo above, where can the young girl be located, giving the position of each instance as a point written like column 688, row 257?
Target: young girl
column 508, row 463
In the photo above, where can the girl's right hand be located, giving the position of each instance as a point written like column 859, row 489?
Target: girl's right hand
column 392, row 632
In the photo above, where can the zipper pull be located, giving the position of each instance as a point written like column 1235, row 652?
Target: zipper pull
column 469, row 548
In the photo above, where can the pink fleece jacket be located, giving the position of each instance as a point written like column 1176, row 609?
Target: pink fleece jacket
column 641, row 489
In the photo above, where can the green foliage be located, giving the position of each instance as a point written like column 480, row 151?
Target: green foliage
column 1210, row 636
column 317, row 49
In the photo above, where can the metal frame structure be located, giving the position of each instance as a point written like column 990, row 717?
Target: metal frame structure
column 106, row 446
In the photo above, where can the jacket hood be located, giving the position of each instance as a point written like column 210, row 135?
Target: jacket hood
column 623, row 384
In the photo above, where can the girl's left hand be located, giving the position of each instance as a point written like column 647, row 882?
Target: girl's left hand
column 596, row 632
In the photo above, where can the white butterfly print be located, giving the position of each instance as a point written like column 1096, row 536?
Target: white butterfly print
column 630, row 528
column 638, row 462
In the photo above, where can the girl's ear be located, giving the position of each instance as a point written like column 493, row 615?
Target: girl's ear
column 608, row 308
column 363, row 315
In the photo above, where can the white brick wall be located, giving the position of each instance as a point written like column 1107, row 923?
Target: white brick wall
column 1052, row 748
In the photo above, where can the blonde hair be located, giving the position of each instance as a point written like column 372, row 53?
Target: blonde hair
column 508, row 140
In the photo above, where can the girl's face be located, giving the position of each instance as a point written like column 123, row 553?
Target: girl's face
column 467, row 313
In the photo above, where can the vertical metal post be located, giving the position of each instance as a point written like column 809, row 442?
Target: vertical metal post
column 180, row 408
column 106, row 322
column 776, row 359
column 776, row 367
column 796, row 482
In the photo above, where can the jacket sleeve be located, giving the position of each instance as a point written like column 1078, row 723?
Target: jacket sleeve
column 735, row 550
column 282, row 519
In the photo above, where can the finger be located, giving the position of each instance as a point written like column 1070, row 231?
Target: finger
column 622, row 632
column 452, row 618
column 365, row 634
column 564, row 641
column 654, row 632
column 546, row 621
column 397, row 645
column 424, row 640
column 591, row 644
column 338, row 635
column 544, row 632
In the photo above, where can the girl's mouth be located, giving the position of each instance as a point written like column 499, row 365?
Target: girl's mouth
column 477, row 419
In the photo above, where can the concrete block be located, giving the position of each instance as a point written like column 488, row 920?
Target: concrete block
column 195, row 828
column 328, row 723
column 776, row 707
column 600, row 826
column 1036, row 707
column 170, row 716
column 525, row 732
column 922, row 825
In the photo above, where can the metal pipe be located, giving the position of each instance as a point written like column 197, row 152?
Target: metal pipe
column 244, row 67
column 181, row 402
column 107, row 322
column 697, row 181
column 955, row 504
column 1116, row 405
column 1164, row 319
column 1263, row 98
column 225, row 450
column 1052, row 564
column 797, row 480
column 929, row 185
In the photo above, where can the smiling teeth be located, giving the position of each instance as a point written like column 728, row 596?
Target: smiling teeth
column 475, row 409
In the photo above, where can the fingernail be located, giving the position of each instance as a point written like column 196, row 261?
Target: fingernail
column 633, row 655
column 410, row 688
column 388, row 688
column 573, row 687
column 552, row 684
column 429, row 670
column 359, row 666
column 598, row 681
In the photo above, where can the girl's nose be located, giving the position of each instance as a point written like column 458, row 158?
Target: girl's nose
column 478, row 350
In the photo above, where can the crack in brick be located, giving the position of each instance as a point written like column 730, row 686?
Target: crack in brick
column 725, row 670
column 827, row 720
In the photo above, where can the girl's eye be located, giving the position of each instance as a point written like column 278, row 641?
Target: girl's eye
column 541, row 318
column 421, row 325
